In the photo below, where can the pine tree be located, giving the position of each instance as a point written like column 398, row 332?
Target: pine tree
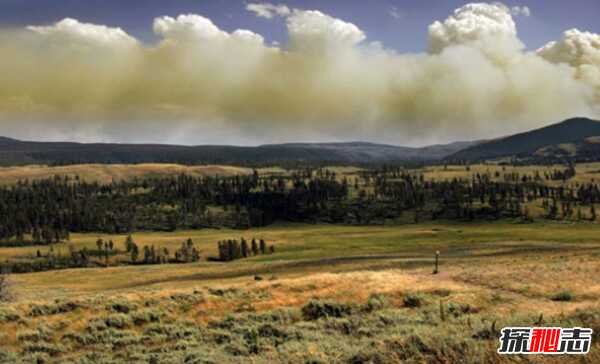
column 134, row 252
column 254, row 247
column 146, row 254
column 263, row 246
column 106, row 254
column 129, row 244
column 244, row 248
column 99, row 244
column 222, row 251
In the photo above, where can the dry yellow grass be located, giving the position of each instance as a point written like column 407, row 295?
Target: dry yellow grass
column 585, row 172
column 510, row 280
column 106, row 173
column 315, row 248
column 519, row 282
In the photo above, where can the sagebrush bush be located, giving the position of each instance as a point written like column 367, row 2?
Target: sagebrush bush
column 188, row 298
column 121, row 306
column 9, row 315
column 42, row 333
column 44, row 347
column 413, row 300
column 143, row 317
column 315, row 310
column 564, row 296
column 54, row 308
column 118, row 321
column 319, row 332
column 377, row 301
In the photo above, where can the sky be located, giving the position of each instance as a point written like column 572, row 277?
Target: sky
column 244, row 72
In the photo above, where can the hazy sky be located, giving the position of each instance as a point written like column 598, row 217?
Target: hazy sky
column 243, row 72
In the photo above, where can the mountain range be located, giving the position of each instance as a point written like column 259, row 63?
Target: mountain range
column 576, row 139
column 16, row 152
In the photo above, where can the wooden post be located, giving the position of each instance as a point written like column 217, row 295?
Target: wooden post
column 437, row 257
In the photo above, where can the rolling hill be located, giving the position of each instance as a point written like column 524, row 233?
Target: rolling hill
column 576, row 139
column 16, row 152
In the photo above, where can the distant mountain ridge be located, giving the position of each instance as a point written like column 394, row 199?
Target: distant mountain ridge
column 16, row 152
column 572, row 139
column 576, row 139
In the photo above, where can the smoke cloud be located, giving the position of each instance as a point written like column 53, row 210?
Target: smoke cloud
column 201, row 84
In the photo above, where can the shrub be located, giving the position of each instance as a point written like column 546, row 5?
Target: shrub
column 270, row 331
column 4, row 288
column 486, row 333
column 227, row 292
column 53, row 308
column 7, row 357
column 40, row 334
column 124, row 339
column 117, row 321
column 413, row 300
column 458, row 309
column 96, row 325
column 181, row 330
column 377, row 301
column 43, row 347
column 145, row 316
column 121, row 306
column 188, row 298
column 564, row 296
column 9, row 315
column 315, row 310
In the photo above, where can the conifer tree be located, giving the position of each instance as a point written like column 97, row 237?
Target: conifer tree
column 244, row 248
column 254, row 247
column 263, row 246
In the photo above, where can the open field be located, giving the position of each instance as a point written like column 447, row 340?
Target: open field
column 330, row 294
column 106, row 173
column 585, row 172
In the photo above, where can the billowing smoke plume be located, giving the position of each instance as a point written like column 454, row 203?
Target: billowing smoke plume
column 580, row 50
column 201, row 84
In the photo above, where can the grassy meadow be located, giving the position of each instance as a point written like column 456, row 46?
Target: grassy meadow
column 107, row 173
column 328, row 294
column 585, row 172
column 337, row 294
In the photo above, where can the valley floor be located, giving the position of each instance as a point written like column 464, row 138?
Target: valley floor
column 329, row 294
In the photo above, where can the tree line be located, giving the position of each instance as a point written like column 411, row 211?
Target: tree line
column 106, row 254
column 231, row 249
column 45, row 212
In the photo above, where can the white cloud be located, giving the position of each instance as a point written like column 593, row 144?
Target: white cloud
column 268, row 10
column 195, row 28
column 71, row 32
column 311, row 29
column 578, row 49
column 473, row 23
column 575, row 48
column 187, row 26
